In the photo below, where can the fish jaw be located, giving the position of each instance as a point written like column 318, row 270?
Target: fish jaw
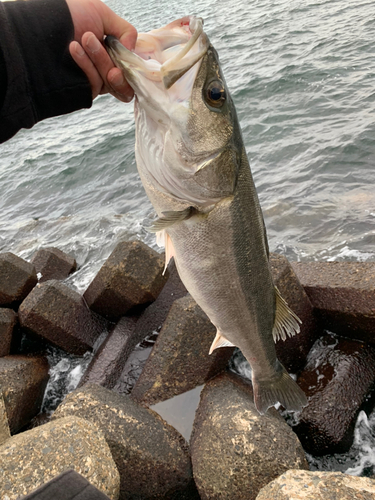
column 161, row 58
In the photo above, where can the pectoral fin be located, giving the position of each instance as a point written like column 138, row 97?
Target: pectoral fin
column 220, row 341
column 170, row 218
column 286, row 322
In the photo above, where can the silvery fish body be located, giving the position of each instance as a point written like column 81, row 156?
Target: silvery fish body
column 194, row 168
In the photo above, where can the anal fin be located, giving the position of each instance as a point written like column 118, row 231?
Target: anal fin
column 286, row 321
column 220, row 341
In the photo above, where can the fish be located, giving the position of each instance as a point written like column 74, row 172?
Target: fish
column 194, row 168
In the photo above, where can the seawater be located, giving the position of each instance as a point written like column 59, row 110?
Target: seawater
column 301, row 74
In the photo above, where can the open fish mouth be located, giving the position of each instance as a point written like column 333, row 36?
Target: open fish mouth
column 162, row 55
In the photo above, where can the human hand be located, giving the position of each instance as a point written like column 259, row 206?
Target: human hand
column 92, row 20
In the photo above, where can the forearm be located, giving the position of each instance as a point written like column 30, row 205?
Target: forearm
column 38, row 77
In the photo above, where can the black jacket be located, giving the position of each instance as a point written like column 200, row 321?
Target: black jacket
column 38, row 77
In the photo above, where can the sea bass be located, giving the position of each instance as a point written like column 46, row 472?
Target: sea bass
column 194, row 168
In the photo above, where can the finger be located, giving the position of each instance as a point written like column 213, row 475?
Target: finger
column 103, row 63
column 121, row 29
column 85, row 63
column 119, row 85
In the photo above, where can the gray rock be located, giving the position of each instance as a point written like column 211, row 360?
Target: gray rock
column 292, row 352
column 336, row 380
column 305, row 485
column 34, row 457
column 8, row 321
column 23, row 380
column 17, row 279
column 235, row 451
column 4, row 424
column 343, row 295
column 180, row 358
column 108, row 362
column 151, row 456
column 52, row 263
column 59, row 314
column 131, row 276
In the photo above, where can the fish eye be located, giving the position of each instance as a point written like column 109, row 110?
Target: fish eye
column 215, row 94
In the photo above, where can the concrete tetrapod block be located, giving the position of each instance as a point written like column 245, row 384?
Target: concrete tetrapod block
column 108, row 362
column 338, row 376
column 151, row 456
column 235, row 451
column 23, row 380
column 306, row 485
column 180, row 359
column 343, row 295
column 131, row 276
column 8, row 321
column 67, row 486
column 59, row 314
column 34, row 457
column 153, row 317
column 4, row 424
column 17, row 279
column 52, row 263
column 293, row 351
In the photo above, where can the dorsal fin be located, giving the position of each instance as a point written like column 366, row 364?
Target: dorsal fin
column 286, row 322
column 220, row 341
column 169, row 218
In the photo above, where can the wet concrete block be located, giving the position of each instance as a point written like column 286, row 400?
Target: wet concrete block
column 131, row 276
column 108, row 362
column 52, row 263
column 293, row 351
column 179, row 360
column 306, row 485
column 59, row 314
column 23, row 380
column 151, row 456
column 234, row 450
column 31, row 458
column 8, row 322
column 17, row 279
column 338, row 376
column 343, row 295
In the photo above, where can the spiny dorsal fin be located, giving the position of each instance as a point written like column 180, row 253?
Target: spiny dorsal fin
column 170, row 218
column 286, row 322
column 220, row 341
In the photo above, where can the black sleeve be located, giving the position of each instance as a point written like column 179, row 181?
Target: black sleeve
column 38, row 77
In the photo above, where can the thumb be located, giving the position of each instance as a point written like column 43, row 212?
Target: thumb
column 121, row 29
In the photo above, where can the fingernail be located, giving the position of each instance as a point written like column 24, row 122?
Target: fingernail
column 93, row 44
column 118, row 80
column 79, row 50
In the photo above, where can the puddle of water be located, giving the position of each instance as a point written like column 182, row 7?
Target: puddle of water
column 179, row 411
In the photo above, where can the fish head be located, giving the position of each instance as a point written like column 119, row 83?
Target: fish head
column 188, row 138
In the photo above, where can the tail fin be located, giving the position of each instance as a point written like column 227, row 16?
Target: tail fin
column 282, row 389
